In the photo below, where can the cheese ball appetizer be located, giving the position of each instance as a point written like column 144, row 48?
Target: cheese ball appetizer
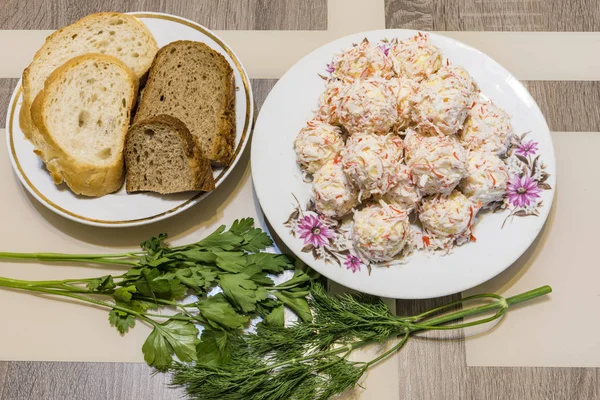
column 380, row 232
column 405, row 194
column 447, row 217
column 371, row 162
column 486, row 179
column 438, row 163
column 487, row 128
column 329, row 101
column 333, row 194
column 367, row 106
column 415, row 58
column 363, row 60
column 443, row 101
column 317, row 143
column 404, row 91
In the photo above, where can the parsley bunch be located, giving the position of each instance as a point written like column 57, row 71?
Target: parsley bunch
column 162, row 277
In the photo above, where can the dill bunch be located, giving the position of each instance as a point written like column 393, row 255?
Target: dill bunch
column 309, row 359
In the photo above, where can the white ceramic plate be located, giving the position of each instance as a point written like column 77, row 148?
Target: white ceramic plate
column 121, row 209
column 501, row 238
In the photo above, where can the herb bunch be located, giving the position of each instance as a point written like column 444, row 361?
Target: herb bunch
column 309, row 359
column 161, row 277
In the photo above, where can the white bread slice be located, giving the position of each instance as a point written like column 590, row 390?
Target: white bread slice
column 119, row 35
column 83, row 114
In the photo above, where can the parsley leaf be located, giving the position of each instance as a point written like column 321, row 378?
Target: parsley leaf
column 256, row 240
column 241, row 226
column 171, row 337
column 154, row 244
column 197, row 278
column 220, row 314
column 274, row 263
column 214, row 348
column 121, row 320
column 220, row 239
column 124, row 293
column 102, row 284
column 232, row 261
column 242, row 291
column 275, row 317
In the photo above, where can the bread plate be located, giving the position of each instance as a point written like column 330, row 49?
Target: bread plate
column 285, row 195
column 121, row 209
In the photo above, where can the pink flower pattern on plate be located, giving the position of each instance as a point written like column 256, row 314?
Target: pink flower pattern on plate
column 314, row 232
column 526, row 149
column 523, row 191
column 352, row 263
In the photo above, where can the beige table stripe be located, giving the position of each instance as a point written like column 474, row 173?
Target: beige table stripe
column 528, row 55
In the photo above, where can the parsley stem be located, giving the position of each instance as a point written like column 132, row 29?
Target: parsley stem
column 123, row 259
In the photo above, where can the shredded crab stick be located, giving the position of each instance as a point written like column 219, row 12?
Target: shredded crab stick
column 405, row 194
column 443, row 101
column 363, row 60
column 380, row 232
column 371, row 162
column 438, row 163
column 486, row 179
column 333, row 193
column 416, row 57
column 368, row 106
column 329, row 101
column 447, row 219
column 404, row 91
column 316, row 144
column 487, row 128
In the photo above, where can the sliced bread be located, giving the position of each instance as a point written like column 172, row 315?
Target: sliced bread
column 119, row 35
column 162, row 156
column 190, row 81
column 82, row 115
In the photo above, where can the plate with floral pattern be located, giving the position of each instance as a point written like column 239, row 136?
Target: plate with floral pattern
column 498, row 234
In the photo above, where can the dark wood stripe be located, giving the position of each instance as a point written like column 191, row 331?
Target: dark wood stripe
column 7, row 86
column 432, row 365
column 495, row 15
column 572, row 106
column 495, row 383
column 223, row 14
column 260, row 89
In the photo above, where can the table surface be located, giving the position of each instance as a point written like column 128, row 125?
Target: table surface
column 566, row 88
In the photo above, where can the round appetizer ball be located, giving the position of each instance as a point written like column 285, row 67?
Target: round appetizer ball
column 317, row 143
column 363, row 60
column 447, row 216
column 329, row 101
column 405, row 194
column 367, row 106
column 415, row 58
column 437, row 163
column 486, row 179
column 380, row 232
column 371, row 162
column 487, row 128
column 404, row 91
column 333, row 194
column 443, row 101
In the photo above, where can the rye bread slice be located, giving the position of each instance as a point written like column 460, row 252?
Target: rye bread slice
column 162, row 156
column 194, row 83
